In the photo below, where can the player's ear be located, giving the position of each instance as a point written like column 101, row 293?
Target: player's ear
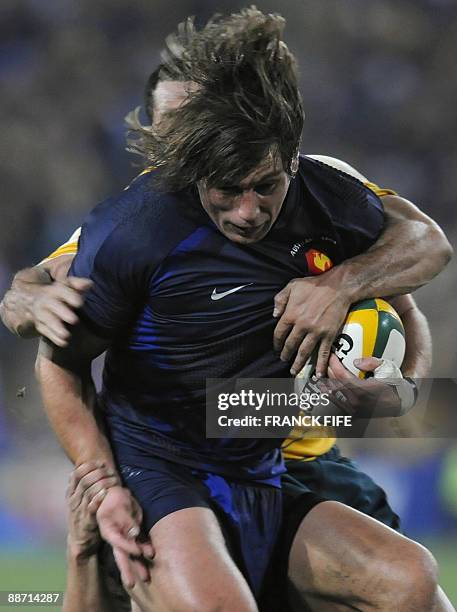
column 294, row 165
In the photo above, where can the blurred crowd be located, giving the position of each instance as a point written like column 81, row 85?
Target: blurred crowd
column 379, row 84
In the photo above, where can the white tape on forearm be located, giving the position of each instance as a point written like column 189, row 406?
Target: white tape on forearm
column 391, row 374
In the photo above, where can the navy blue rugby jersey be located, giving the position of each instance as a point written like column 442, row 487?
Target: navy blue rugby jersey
column 158, row 262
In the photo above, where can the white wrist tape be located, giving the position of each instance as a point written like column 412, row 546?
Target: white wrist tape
column 406, row 389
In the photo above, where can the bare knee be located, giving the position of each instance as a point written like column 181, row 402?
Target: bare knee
column 400, row 577
column 410, row 575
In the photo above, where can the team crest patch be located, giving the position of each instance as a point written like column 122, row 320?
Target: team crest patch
column 318, row 262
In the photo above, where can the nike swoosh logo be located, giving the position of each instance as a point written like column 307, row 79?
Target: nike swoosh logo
column 219, row 296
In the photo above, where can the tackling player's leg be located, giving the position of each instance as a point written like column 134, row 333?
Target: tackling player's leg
column 338, row 558
column 341, row 559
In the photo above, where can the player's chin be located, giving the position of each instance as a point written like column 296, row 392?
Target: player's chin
column 242, row 239
column 246, row 237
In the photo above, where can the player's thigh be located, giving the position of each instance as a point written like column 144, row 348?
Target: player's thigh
column 342, row 554
column 192, row 568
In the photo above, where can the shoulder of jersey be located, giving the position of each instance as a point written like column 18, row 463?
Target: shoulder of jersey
column 144, row 173
column 332, row 167
column 141, row 197
column 346, row 169
column 324, row 180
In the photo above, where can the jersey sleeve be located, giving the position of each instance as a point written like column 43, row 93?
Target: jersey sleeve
column 70, row 247
column 346, row 168
column 360, row 223
column 379, row 191
column 113, row 258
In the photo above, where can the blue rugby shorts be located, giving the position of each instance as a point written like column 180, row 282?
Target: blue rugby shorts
column 249, row 514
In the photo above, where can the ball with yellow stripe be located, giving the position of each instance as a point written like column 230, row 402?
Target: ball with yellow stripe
column 372, row 328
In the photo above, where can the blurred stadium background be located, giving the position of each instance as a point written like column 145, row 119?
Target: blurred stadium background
column 379, row 83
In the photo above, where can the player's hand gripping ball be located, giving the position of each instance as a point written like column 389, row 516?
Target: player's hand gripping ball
column 372, row 329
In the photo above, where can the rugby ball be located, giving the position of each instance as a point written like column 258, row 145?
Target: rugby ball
column 372, row 328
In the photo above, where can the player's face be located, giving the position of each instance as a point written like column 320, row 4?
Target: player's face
column 245, row 213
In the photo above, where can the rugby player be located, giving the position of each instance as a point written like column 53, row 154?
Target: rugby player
column 327, row 506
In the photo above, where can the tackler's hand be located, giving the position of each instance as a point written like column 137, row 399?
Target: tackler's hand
column 54, row 305
column 119, row 518
column 86, row 490
column 385, row 394
column 311, row 312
